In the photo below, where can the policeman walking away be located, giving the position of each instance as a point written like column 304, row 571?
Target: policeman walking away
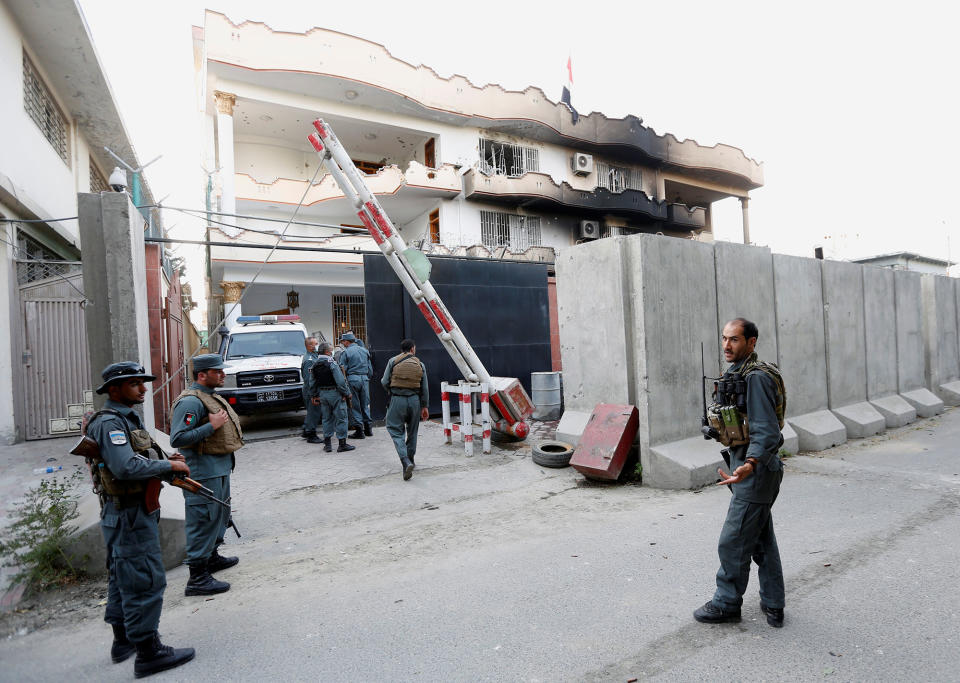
column 329, row 393
column 208, row 432
column 747, row 416
column 313, row 411
column 121, row 470
column 355, row 360
column 405, row 381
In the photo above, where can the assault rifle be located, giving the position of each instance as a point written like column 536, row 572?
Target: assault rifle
column 709, row 433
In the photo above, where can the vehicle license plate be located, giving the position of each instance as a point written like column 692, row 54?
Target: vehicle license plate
column 266, row 396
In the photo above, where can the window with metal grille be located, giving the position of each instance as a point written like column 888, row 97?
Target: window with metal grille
column 97, row 182
column 35, row 262
column 617, row 178
column 43, row 109
column 509, row 230
column 503, row 158
column 349, row 313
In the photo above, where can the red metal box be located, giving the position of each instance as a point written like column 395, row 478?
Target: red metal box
column 606, row 441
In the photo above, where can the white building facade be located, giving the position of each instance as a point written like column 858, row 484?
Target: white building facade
column 459, row 168
column 57, row 114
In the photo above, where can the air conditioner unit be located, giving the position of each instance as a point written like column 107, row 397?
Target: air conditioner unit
column 590, row 229
column 582, row 163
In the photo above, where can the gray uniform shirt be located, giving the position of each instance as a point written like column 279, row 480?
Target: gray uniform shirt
column 119, row 456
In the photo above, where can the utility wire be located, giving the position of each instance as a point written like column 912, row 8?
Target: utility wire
column 303, row 197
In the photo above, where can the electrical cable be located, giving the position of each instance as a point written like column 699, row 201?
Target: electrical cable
column 296, row 210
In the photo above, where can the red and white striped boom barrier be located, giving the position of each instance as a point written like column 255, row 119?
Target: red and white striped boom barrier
column 510, row 405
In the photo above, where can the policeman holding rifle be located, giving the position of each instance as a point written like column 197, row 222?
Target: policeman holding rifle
column 117, row 448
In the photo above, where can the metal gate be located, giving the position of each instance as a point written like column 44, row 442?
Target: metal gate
column 53, row 348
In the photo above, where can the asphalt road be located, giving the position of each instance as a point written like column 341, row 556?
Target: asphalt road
column 492, row 568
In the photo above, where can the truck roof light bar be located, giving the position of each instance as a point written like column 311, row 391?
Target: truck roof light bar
column 249, row 319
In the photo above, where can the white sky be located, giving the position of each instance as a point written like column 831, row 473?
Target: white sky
column 851, row 106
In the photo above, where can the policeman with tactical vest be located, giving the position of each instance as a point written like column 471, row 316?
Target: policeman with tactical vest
column 122, row 471
column 207, row 430
column 329, row 392
column 405, row 381
column 306, row 375
column 747, row 416
column 355, row 360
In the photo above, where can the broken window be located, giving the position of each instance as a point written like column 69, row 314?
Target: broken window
column 509, row 230
column 503, row 158
column 435, row 226
column 617, row 178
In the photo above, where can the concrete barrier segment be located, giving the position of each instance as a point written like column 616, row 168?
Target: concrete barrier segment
column 860, row 419
column 571, row 426
column 925, row 402
column 895, row 410
column 684, row 464
column 818, row 431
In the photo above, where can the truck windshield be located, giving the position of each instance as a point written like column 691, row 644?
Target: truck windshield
column 267, row 343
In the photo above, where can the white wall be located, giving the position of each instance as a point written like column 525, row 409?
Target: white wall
column 25, row 155
column 316, row 304
column 8, row 313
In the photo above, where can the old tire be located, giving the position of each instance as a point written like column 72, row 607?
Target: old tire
column 552, row 453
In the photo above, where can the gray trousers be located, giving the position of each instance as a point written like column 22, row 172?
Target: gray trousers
column 205, row 521
column 312, row 419
column 404, row 415
column 334, row 407
column 136, row 577
column 360, row 388
column 748, row 534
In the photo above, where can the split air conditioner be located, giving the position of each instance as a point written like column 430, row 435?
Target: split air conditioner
column 590, row 229
column 582, row 163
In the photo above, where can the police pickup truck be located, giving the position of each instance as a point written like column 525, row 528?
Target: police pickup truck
column 264, row 354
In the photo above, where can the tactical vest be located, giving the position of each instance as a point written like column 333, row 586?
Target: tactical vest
column 323, row 373
column 104, row 481
column 728, row 412
column 407, row 372
column 227, row 439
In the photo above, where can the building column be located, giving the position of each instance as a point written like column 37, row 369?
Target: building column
column 228, row 200
column 232, row 291
column 744, row 205
column 708, row 218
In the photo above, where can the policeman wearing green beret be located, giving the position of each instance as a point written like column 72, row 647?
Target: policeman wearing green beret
column 122, row 474
column 207, row 431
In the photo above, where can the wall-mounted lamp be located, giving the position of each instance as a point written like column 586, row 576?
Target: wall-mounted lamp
column 293, row 300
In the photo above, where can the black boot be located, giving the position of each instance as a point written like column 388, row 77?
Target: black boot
column 407, row 467
column 327, row 446
column 344, row 446
column 202, row 583
column 313, row 438
column 412, row 461
column 357, row 433
column 154, row 657
column 122, row 649
column 367, row 429
column 218, row 562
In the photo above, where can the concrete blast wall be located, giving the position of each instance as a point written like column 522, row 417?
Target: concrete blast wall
column 940, row 335
column 593, row 309
column 633, row 312
column 880, row 328
column 844, row 323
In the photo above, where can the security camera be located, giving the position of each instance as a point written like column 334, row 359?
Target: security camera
column 118, row 180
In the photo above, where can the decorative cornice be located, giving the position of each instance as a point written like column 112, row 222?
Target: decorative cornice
column 232, row 291
column 225, row 102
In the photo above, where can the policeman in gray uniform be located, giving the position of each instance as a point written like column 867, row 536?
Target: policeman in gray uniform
column 313, row 411
column 330, row 390
column 121, row 472
column 355, row 360
column 752, row 400
column 405, row 381
column 207, row 430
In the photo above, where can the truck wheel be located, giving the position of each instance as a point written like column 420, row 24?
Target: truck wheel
column 552, row 453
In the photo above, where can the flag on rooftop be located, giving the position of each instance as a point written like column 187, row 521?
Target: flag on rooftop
column 565, row 96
